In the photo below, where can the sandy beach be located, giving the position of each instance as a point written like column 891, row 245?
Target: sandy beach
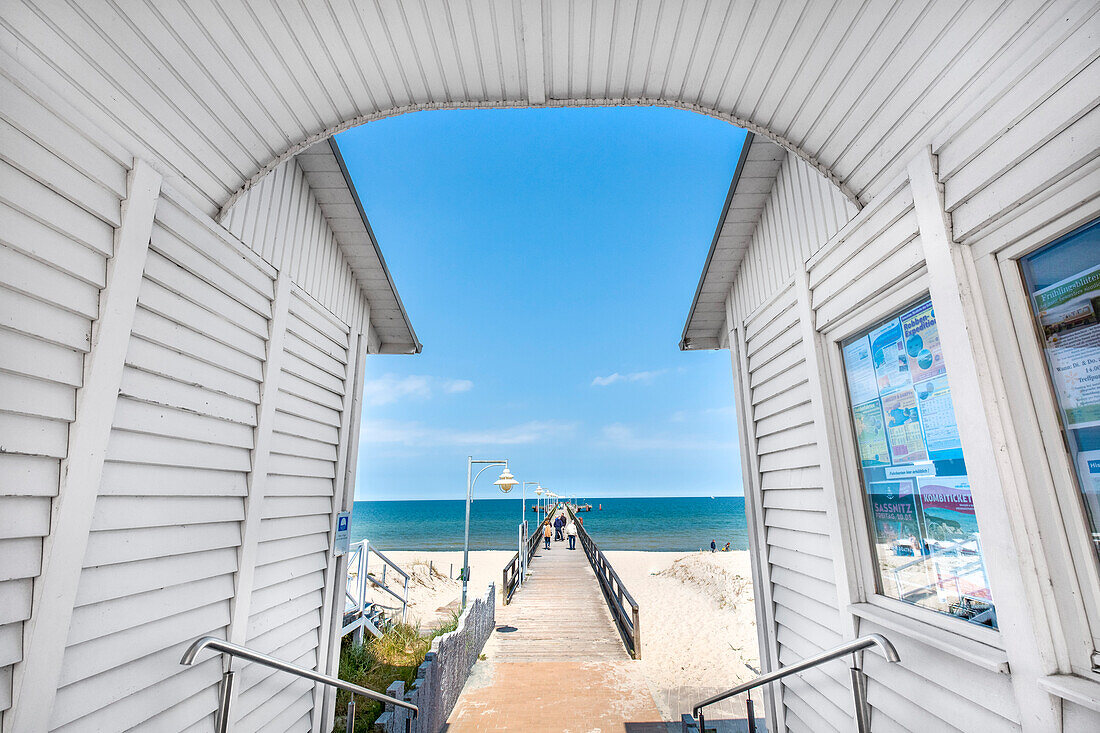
column 697, row 618
column 433, row 596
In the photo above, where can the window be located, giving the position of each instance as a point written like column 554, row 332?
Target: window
column 924, row 533
column 1063, row 282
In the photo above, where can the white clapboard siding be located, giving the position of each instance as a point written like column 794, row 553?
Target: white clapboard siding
column 803, row 210
column 161, row 557
column 1032, row 133
column 282, row 220
column 292, row 556
column 880, row 252
column 796, row 529
column 60, row 198
column 802, row 213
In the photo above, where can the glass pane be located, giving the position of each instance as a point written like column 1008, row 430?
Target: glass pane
column 928, row 551
column 1063, row 280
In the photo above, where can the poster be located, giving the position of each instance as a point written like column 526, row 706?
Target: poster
column 894, row 508
column 1069, row 315
column 889, row 357
column 1074, row 358
column 862, row 383
column 1089, row 463
column 922, row 343
column 947, row 507
column 903, row 430
column 871, row 434
column 937, row 416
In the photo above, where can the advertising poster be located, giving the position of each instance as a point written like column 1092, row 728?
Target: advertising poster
column 948, row 507
column 889, row 357
column 862, row 383
column 922, row 343
column 1069, row 314
column 894, row 508
column 871, row 434
column 1074, row 357
column 1089, row 463
column 937, row 415
column 903, row 430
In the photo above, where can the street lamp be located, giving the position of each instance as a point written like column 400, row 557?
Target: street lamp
column 523, row 529
column 505, row 483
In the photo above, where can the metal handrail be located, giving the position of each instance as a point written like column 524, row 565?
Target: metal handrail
column 359, row 562
column 236, row 650
column 389, row 562
column 850, row 647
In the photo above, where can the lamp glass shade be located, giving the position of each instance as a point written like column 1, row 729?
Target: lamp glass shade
column 506, row 481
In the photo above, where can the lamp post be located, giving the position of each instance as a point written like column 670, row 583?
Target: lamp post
column 523, row 530
column 505, row 482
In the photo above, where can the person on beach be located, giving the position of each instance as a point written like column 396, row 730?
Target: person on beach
column 571, row 532
column 546, row 534
column 713, row 546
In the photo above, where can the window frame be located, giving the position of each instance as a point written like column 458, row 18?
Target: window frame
column 1064, row 482
column 865, row 580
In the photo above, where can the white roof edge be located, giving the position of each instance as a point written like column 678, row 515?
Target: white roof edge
column 379, row 298
column 690, row 342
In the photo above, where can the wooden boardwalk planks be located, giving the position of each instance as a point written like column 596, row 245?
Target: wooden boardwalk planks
column 556, row 661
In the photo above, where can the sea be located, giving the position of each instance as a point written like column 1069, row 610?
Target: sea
column 670, row 524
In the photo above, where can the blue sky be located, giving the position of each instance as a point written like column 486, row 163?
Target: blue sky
column 547, row 259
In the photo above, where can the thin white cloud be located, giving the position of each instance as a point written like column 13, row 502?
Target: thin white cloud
column 390, row 388
column 458, row 385
column 644, row 377
column 418, row 435
column 624, row 437
column 726, row 411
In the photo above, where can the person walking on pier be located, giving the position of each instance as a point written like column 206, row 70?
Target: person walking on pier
column 571, row 532
column 546, row 534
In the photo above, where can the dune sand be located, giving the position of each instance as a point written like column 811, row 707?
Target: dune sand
column 697, row 617
column 698, row 625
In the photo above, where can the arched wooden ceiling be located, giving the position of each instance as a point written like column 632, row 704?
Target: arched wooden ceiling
column 218, row 93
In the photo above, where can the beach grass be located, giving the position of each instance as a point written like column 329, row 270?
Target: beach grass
column 379, row 662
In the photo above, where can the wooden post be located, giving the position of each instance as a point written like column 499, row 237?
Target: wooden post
column 241, row 602
column 329, row 597
column 960, row 319
column 754, row 511
column 46, row 631
column 344, row 497
column 637, row 634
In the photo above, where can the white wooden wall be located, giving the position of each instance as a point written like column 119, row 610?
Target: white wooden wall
column 297, row 239
column 228, row 451
column 795, row 563
column 286, row 614
column 1023, row 164
column 160, row 562
column 60, row 193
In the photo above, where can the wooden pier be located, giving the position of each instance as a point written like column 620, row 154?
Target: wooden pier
column 556, row 660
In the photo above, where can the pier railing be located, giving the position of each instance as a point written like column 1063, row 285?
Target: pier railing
column 624, row 609
column 512, row 571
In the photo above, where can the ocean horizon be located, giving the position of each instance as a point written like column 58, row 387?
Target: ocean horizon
column 666, row 524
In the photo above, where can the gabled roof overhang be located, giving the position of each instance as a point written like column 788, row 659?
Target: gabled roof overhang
column 328, row 177
column 752, row 183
